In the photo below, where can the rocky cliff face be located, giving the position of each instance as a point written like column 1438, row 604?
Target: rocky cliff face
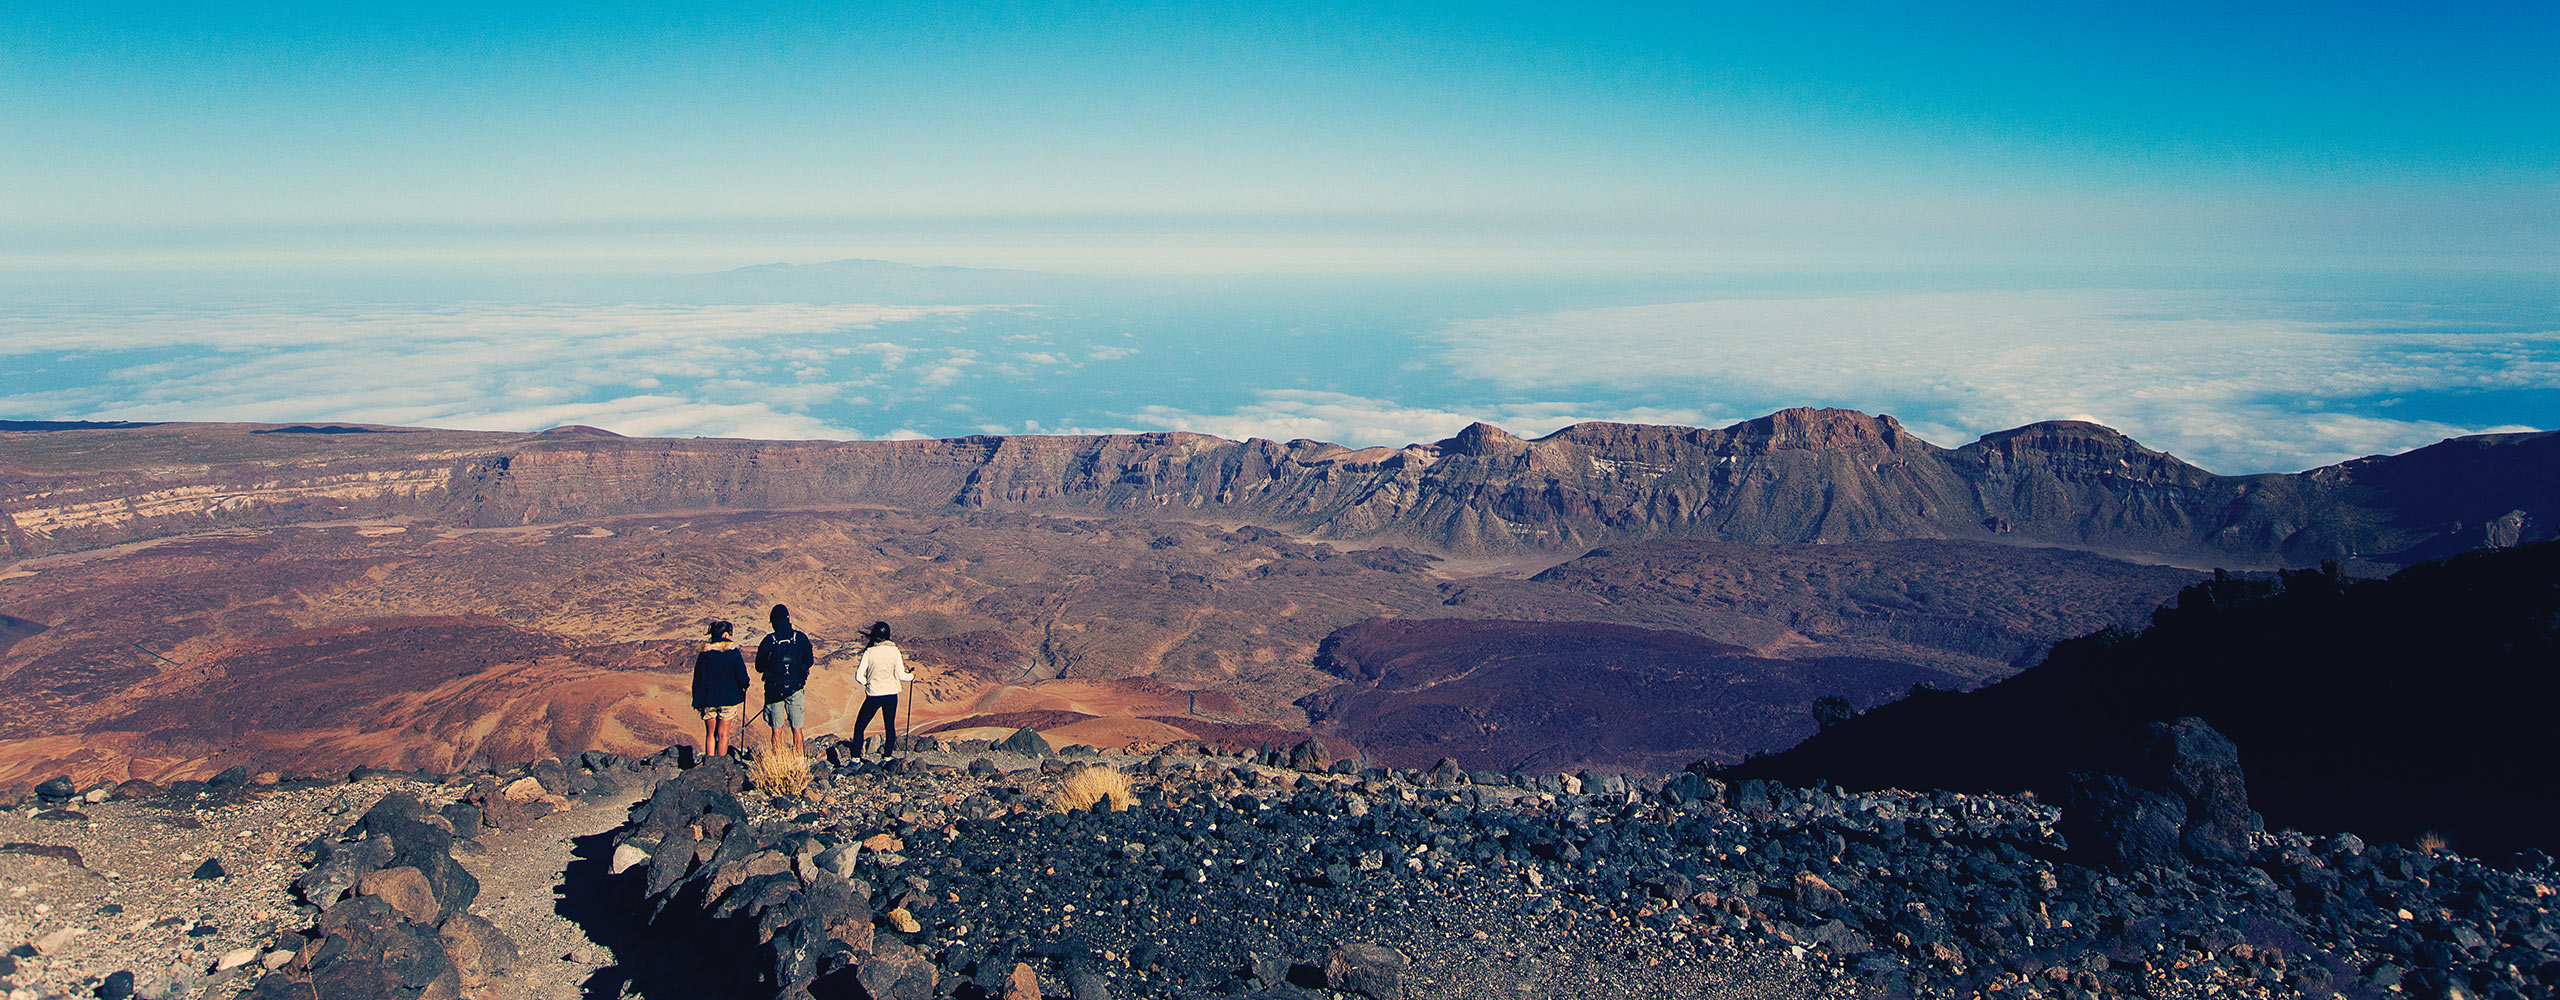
column 1794, row 476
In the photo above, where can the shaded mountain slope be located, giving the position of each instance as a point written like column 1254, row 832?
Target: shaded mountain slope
column 2384, row 707
column 1522, row 695
column 2002, row 605
column 14, row 629
column 1794, row 476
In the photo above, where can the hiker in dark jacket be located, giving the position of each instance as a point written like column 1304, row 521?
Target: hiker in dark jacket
column 783, row 659
column 719, row 687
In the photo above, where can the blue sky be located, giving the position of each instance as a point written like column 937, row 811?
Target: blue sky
column 2262, row 236
column 2242, row 126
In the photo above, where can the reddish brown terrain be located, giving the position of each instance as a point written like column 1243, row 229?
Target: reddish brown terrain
column 183, row 598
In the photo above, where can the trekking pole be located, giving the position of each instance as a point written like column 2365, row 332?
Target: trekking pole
column 912, row 697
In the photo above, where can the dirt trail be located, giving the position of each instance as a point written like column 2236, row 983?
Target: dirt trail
column 523, row 877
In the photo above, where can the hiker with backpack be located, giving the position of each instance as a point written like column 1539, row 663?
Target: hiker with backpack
column 882, row 673
column 783, row 660
column 719, row 687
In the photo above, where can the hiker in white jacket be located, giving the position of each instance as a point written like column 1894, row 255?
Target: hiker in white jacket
column 883, row 673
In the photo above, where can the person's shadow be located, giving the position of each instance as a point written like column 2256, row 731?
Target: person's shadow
column 670, row 962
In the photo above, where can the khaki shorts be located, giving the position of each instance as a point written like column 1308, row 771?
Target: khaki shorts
column 721, row 713
column 785, row 714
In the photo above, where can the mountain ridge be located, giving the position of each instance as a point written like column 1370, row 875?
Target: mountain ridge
column 1797, row 475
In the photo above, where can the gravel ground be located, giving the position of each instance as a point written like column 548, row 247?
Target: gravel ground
column 523, row 888
column 134, row 902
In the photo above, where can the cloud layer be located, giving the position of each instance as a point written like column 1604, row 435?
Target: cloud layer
column 2237, row 383
column 764, row 371
column 2233, row 383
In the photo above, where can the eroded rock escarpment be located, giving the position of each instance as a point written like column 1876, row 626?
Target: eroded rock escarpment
column 1795, row 476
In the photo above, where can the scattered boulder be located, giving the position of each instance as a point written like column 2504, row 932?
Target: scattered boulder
column 1310, row 755
column 1023, row 984
column 626, row 857
column 367, row 949
column 516, row 804
column 897, row 972
column 56, row 790
column 1687, row 787
column 464, row 818
column 1369, row 970
column 1027, row 742
column 210, row 869
column 1086, row 984
column 406, row 890
column 479, row 950
column 135, row 788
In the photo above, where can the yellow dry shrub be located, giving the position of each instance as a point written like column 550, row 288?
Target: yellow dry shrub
column 1080, row 788
column 2431, row 842
column 783, row 773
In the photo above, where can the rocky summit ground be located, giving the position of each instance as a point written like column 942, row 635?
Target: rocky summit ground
column 184, row 890
column 956, row 872
column 1234, row 876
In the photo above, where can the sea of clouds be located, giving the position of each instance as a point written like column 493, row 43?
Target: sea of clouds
column 2235, row 382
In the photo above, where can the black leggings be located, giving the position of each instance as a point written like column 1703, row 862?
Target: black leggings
column 883, row 703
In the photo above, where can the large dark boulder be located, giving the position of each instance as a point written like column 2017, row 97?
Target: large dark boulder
column 2201, row 768
column 1685, row 787
column 368, row 950
column 2111, row 823
column 481, row 953
column 395, row 833
column 670, row 861
column 2181, row 797
column 710, row 788
column 1310, row 755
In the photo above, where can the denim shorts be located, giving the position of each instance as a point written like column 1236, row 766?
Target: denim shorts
column 785, row 713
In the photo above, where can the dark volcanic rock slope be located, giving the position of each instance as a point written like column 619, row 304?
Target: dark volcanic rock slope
column 1793, row 476
column 935, row 877
column 2387, row 707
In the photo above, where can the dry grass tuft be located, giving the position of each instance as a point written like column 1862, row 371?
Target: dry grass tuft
column 2431, row 842
column 1080, row 788
column 783, row 773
